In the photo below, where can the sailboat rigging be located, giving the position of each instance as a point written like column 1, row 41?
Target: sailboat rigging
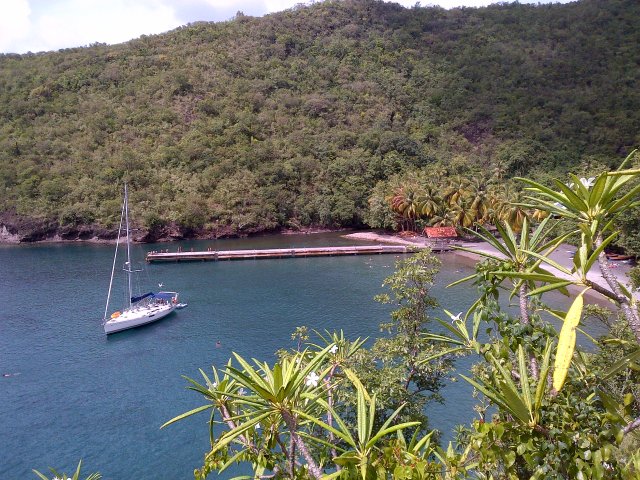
column 140, row 309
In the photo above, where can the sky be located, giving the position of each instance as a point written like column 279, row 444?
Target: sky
column 45, row 25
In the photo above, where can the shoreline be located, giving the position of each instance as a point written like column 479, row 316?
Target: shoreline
column 377, row 236
column 563, row 256
column 7, row 238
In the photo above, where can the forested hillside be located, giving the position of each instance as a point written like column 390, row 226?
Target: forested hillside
column 290, row 120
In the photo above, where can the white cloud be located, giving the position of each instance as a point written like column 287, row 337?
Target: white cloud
column 87, row 21
column 279, row 5
column 14, row 23
column 459, row 3
column 216, row 4
column 69, row 23
column 37, row 25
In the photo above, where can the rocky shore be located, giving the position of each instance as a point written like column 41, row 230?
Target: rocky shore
column 17, row 229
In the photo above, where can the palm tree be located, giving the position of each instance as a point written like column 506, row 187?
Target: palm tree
column 516, row 257
column 361, row 455
column 593, row 203
column 480, row 200
column 463, row 214
column 499, row 170
column 509, row 208
column 272, row 413
column 445, row 216
column 457, row 189
column 277, row 399
column 405, row 201
column 539, row 215
column 429, row 201
column 61, row 476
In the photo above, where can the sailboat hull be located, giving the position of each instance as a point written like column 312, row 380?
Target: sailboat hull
column 135, row 317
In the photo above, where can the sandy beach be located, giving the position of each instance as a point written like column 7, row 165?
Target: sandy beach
column 563, row 255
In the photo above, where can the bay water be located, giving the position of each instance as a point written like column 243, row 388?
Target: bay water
column 69, row 392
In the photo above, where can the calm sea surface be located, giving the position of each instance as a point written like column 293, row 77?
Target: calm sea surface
column 73, row 393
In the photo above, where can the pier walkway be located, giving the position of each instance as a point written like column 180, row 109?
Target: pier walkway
column 215, row 255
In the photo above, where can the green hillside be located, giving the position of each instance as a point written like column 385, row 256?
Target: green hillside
column 290, row 120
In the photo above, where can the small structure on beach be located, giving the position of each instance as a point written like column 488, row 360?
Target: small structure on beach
column 439, row 238
column 441, row 232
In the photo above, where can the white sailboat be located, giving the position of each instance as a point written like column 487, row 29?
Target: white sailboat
column 141, row 309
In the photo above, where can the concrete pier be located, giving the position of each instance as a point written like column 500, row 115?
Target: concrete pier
column 215, row 255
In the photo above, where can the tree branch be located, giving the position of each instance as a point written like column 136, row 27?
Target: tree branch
column 628, row 310
column 327, row 383
column 524, row 314
column 314, row 469
column 226, row 416
column 632, row 426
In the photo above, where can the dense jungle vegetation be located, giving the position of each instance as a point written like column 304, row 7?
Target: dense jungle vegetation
column 292, row 120
column 359, row 113
column 546, row 405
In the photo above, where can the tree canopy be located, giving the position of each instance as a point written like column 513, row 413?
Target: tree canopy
column 291, row 119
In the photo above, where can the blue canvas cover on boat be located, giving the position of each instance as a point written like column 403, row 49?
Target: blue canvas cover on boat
column 142, row 297
column 164, row 296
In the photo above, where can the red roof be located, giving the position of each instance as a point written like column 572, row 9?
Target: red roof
column 440, row 232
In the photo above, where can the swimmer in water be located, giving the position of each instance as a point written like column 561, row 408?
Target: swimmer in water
column 218, row 344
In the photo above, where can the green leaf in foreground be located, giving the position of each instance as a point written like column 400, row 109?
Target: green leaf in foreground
column 567, row 342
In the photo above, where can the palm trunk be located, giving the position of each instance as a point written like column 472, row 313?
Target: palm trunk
column 226, row 417
column 334, row 452
column 628, row 308
column 626, row 305
column 632, row 426
column 292, row 458
column 291, row 423
column 524, row 314
column 290, row 451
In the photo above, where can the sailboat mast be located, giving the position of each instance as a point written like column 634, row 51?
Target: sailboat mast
column 113, row 267
column 126, row 209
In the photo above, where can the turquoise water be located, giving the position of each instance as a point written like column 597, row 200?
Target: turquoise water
column 73, row 393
